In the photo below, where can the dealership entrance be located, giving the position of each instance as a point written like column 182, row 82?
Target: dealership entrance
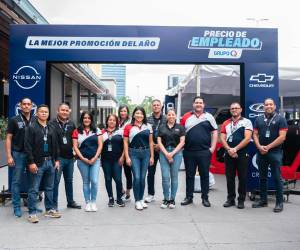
column 34, row 47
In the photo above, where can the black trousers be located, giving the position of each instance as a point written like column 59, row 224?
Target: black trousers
column 239, row 165
column 192, row 159
column 128, row 175
column 151, row 174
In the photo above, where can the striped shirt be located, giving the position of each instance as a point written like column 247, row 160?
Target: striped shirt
column 198, row 130
column 138, row 136
column 87, row 142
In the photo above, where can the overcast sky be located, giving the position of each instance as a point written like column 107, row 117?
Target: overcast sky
column 283, row 15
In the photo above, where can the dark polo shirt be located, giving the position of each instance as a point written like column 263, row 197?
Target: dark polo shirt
column 16, row 127
column 273, row 124
column 64, row 130
column 170, row 137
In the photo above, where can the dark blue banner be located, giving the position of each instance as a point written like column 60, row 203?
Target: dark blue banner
column 26, row 79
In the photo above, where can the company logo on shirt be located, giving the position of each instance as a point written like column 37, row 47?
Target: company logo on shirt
column 26, row 77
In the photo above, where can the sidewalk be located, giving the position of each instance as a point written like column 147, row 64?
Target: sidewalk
column 191, row 227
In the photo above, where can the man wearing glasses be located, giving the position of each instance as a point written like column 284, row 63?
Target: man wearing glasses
column 236, row 134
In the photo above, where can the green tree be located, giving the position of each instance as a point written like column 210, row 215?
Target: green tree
column 147, row 104
column 3, row 126
column 126, row 100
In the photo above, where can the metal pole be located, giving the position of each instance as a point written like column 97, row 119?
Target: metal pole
column 198, row 81
column 179, row 105
column 281, row 105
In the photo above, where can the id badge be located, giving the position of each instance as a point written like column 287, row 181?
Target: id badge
column 230, row 138
column 109, row 147
column 65, row 141
column 268, row 134
column 45, row 147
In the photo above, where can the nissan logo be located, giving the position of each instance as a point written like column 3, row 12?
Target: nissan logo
column 26, row 77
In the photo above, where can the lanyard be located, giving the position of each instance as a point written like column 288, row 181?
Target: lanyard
column 63, row 127
column 233, row 127
column 45, row 133
column 266, row 120
column 123, row 123
column 24, row 121
column 110, row 134
column 158, row 123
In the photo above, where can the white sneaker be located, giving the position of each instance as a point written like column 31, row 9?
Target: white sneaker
column 32, row 218
column 172, row 204
column 149, row 198
column 138, row 205
column 144, row 204
column 88, row 207
column 94, row 207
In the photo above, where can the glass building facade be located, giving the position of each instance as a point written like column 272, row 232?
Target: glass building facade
column 117, row 72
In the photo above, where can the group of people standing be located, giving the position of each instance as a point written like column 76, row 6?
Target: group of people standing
column 48, row 149
column 269, row 133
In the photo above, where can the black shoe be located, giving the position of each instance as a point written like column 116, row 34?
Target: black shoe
column 278, row 208
column 205, row 203
column 229, row 203
column 111, row 202
column 120, row 203
column 186, row 201
column 165, row 204
column 73, row 204
column 127, row 197
column 240, row 205
column 259, row 204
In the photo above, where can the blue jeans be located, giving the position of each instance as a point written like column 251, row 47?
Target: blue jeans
column 20, row 160
column 46, row 172
column 90, row 177
column 112, row 170
column 169, row 172
column 66, row 168
column 139, row 163
column 272, row 160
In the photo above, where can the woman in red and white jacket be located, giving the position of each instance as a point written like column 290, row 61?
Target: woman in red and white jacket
column 87, row 143
column 139, row 152
column 124, row 119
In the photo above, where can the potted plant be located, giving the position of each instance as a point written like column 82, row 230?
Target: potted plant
column 3, row 126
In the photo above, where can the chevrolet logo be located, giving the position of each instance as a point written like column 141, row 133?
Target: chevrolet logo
column 261, row 78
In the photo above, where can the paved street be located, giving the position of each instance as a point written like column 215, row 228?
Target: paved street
column 192, row 227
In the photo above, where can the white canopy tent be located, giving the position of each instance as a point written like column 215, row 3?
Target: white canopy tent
column 220, row 85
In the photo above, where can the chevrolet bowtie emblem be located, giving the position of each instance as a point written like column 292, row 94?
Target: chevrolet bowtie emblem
column 262, row 78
